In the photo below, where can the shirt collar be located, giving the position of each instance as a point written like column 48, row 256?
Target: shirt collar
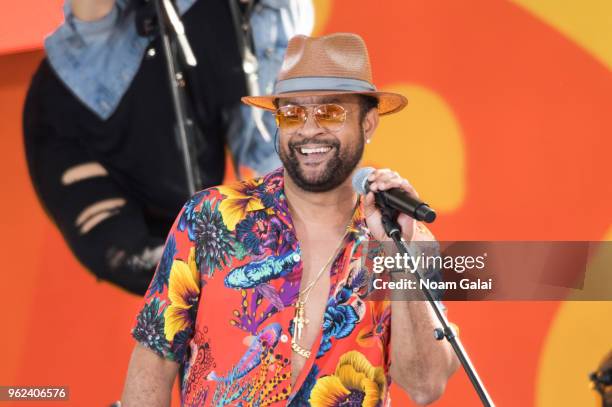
column 270, row 189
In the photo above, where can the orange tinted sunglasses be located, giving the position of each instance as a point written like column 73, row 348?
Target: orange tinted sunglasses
column 291, row 118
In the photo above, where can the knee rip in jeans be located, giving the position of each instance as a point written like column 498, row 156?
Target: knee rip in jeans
column 97, row 212
column 82, row 172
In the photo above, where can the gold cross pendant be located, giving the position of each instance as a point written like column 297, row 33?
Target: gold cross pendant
column 299, row 320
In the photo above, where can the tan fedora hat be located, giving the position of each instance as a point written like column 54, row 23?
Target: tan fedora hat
column 329, row 65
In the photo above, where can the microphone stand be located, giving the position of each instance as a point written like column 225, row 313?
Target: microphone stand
column 169, row 23
column 393, row 230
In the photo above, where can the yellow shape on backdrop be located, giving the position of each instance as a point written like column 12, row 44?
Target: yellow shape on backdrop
column 322, row 10
column 608, row 235
column 586, row 22
column 423, row 143
column 579, row 338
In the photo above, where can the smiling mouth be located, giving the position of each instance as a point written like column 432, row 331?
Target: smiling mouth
column 313, row 151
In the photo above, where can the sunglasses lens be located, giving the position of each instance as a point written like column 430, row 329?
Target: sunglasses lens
column 330, row 116
column 290, row 117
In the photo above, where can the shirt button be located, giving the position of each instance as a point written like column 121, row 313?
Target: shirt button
column 269, row 52
column 296, row 257
column 284, row 338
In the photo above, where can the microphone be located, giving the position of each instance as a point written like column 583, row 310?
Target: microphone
column 394, row 198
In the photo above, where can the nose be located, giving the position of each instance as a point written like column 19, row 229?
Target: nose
column 311, row 126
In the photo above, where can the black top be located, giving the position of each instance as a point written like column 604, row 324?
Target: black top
column 137, row 146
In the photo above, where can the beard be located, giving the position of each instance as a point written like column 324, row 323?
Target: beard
column 337, row 169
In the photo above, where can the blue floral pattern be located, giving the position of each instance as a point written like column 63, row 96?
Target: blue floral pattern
column 160, row 280
column 339, row 320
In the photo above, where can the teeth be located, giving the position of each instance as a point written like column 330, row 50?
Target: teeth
column 314, row 150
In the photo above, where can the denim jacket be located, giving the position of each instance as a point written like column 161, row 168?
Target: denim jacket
column 98, row 60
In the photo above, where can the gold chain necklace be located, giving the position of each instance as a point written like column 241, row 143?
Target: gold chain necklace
column 300, row 320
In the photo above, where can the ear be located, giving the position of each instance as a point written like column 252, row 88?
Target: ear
column 370, row 123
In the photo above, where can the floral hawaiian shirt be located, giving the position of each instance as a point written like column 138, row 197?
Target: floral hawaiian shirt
column 221, row 304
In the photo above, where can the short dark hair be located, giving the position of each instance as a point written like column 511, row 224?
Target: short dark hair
column 366, row 103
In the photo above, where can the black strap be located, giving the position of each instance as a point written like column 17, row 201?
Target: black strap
column 242, row 25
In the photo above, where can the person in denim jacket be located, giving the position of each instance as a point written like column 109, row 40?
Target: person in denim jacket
column 99, row 123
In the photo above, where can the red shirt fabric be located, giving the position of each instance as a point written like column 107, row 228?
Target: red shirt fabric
column 223, row 297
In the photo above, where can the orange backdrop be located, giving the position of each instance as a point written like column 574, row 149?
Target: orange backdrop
column 510, row 113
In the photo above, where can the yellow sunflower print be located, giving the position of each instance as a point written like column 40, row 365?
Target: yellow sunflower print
column 355, row 383
column 183, row 293
column 238, row 201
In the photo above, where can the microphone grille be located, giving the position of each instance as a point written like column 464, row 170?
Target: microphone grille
column 360, row 178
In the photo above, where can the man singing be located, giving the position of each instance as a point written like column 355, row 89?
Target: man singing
column 259, row 297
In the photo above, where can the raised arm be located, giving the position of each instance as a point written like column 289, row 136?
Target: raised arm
column 420, row 364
